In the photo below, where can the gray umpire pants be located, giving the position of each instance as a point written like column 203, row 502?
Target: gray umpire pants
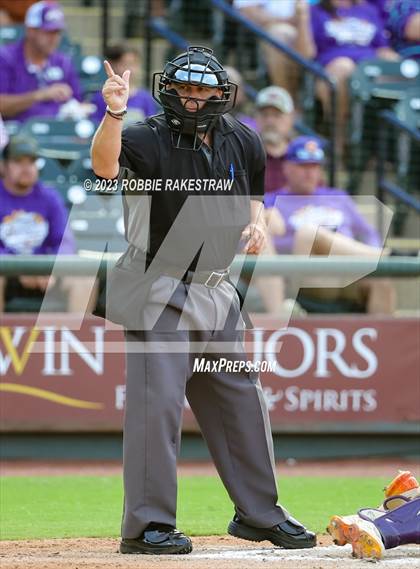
column 229, row 407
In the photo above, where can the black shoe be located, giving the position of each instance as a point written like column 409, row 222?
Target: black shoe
column 289, row 534
column 158, row 539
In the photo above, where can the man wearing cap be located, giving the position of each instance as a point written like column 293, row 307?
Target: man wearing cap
column 316, row 217
column 275, row 116
column 36, row 79
column 33, row 221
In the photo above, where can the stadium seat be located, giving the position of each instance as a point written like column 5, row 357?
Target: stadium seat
column 32, row 301
column 50, row 171
column 97, row 223
column 12, row 127
column 52, row 174
column 22, row 304
column 70, row 48
column 408, row 109
column 91, row 73
column 70, row 182
column 80, row 170
column 11, row 33
column 314, row 305
column 62, row 139
column 374, row 86
column 407, row 152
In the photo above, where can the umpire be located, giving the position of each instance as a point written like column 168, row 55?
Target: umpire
column 171, row 287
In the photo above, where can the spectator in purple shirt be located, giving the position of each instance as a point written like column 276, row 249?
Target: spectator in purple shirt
column 33, row 221
column 381, row 6
column 140, row 102
column 305, row 218
column 346, row 32
column 36, row 79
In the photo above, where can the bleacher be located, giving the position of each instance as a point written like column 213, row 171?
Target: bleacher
column 374, row 86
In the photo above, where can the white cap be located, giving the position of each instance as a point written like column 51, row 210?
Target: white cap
column 46, row 15
column 275, row 97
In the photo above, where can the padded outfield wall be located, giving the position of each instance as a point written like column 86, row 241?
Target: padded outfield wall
column 332, row 375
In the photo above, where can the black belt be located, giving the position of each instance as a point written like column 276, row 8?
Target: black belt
column 211, row 279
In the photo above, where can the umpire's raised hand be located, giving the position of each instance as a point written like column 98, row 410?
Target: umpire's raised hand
column 106, row 144
column 116, row 89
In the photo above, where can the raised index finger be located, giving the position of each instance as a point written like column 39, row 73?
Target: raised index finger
column 109, row 71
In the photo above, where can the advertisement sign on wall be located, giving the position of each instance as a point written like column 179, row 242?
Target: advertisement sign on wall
column 319, row 373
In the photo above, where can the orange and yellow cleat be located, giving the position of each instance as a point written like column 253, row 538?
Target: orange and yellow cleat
column 366, row 540
column 404, row 484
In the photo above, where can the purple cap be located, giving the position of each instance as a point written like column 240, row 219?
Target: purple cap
column 305, row 150
column 45, row 15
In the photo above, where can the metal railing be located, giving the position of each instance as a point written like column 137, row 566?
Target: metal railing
column 309, row 66
column 385, row 187
column 280, row 265
column 165, row 31
column 105, row 25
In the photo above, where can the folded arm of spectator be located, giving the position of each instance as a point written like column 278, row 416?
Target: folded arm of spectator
column 387, row 53
column 412, row 28
column 11, row 105
column 41, row 282
column 381, row 43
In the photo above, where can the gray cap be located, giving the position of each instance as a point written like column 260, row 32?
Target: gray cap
column 275, row 97
column 19, row 146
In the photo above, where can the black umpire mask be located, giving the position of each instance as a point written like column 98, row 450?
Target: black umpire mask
column 198, row 67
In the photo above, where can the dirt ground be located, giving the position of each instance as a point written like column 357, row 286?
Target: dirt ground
column 209, row 553
column 214, row 552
